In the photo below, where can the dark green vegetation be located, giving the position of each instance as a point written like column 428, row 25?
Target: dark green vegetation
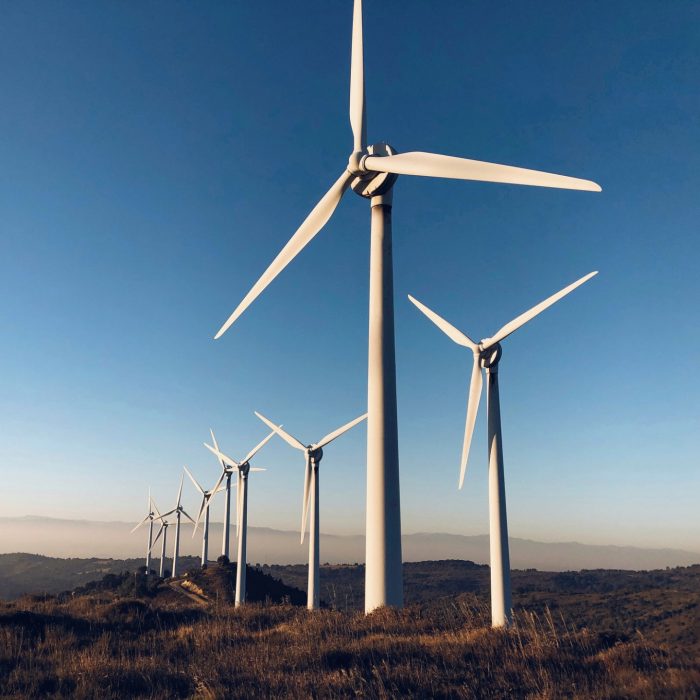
column 599, row 634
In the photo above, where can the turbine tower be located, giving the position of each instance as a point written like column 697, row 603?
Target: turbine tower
column 243, row 469
column 150, row 516
column 313, row 454
column 371, row 172
column 487, row 355
column 227, row 471
column 203, row 508
column 179, row 511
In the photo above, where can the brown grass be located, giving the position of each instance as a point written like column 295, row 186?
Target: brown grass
column 101, row 646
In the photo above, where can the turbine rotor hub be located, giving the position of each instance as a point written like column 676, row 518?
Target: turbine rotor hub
column 244, row 469
column 490, row 357
column 369, row 183
column 315, row 455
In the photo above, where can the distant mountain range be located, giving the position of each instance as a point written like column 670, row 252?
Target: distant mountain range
column 83, row 538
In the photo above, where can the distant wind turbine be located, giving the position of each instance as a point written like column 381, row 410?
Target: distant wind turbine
column 312, row 455
column 179, row 511
column 227, row 471
column 203, row 508
column 487, row 355
column 243, row 469
column 150, row 516
column 371, row 172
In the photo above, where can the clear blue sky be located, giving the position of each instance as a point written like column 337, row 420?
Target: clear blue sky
column 154, row 157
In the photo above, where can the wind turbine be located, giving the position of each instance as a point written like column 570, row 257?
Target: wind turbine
column 312, row 454
column 150, row 516
column 179, row 511
column 227, row 471
column 487, row 355
column 371, row 172
column 203, row 508
column 163, row 530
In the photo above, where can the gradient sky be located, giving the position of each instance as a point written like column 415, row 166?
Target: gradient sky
column 154, row 157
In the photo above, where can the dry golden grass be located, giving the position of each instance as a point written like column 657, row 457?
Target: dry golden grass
column 100, row 646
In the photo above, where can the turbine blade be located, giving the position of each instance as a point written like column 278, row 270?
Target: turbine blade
column 165, row 515
column 313, row 223
column 257, row 448
column 435, row 165
column 357, row 81
column 188, row 516
column 222, row 457
column 305, row 504
column 149, row 499
column 160, row 532
column 194, row 481
column 447, row 328
column 282, row 433
column 258, row 469
column 337, row 433
column 209, row 500
column 179, row 491
column 472, row 409
column 141, row 523
column 534, row 311
column 216, row 445
column 199, row 515
column 155, row 507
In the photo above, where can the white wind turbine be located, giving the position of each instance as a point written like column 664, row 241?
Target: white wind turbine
column 487, row 355
column 203, row 508
column 227, row 471
column 163, row 530
column 242, row 469
column 179, row 511
column 371, row 172
column 312, row 454
column 150, row 517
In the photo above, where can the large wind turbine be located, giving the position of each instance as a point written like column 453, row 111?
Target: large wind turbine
column 371, row 173
column 150, row 516
column 179, row 511
column 313, row 454
column 203, row 508
column 227, row 471
column 242, row 469
column 487, row 355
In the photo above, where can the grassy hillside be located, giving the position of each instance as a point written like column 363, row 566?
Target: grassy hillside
column 588, row 635
column 107, row 646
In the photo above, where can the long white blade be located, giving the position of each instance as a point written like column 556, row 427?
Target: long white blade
column 216, row 446
column 209, row 500
column 194, row 481
column 222, row 457
column 472, row 410
column 534, row 311
column 187, row 515
column 313, row 223
column 155, row 507
column 337, row 433
column 141, row 523
column 282, row 433
column 305, row 503
column 435, row 165
column 199, row 515
column 149, row 499
column 179, row 491
column 357, row 81
column 447, row 328
column 258, row 469
column 160, row 532
column 257, row 448
column 165, row 515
